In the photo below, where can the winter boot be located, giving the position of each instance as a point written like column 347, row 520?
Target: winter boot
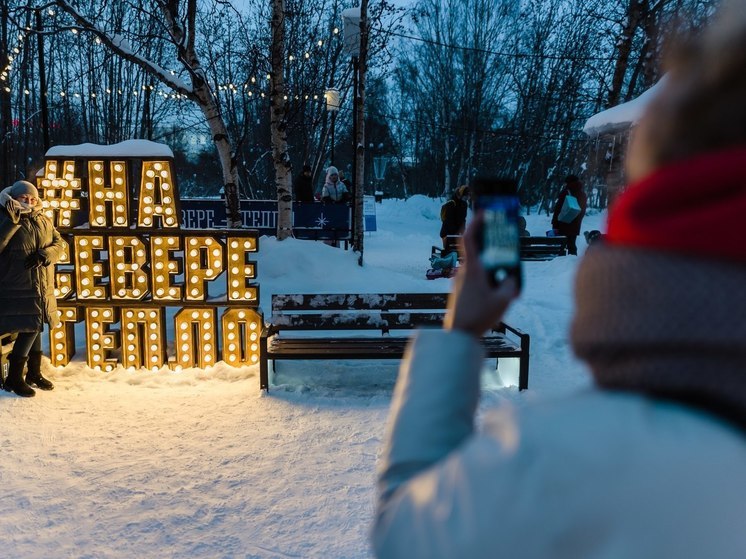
column 15, row 382
column 33, row 374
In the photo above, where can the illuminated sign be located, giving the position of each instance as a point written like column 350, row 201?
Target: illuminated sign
column 149, row 292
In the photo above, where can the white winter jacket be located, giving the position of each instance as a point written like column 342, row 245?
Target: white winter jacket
column 600, row 474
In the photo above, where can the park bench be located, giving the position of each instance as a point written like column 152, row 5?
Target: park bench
column 543, row 248
column 366, row 322
column 532, row 248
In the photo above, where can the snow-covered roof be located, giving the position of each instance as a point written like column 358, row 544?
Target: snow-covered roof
column 622, row 116
column 128, row 148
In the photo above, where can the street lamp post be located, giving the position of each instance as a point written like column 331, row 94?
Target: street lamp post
column 332, row 105
column 351, row 46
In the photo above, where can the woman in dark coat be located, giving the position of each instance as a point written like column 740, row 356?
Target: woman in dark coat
column 453, row 216
column 29, row 248
column 303, row 186
column 570, row 230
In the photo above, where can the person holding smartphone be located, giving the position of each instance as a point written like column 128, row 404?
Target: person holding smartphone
column 650, row 461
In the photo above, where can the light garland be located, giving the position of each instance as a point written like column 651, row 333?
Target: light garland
column 4, row 74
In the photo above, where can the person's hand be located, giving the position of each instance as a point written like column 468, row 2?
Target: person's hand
column 12, row 209
column 34, row 260
column 475, row 306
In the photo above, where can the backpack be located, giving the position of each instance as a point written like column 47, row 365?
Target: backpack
column 443, row 210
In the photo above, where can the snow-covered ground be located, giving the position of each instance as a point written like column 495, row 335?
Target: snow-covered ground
column 200, row 463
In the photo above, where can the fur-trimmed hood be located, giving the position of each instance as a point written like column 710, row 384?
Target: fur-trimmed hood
column 19, row 207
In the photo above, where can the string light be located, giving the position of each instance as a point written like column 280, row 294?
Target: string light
column 16, row 49
column 178, row 96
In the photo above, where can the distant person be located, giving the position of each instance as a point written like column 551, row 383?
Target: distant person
column 29, row 248
column 344, row 180
column 650, row 462
column 334, row 191
column 570, row 229
column 453, row 216
column 348, row 185
column 522, row 231
column 303, row 185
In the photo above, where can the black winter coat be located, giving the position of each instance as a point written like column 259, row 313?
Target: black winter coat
column 572, row 228
column 303, row 188
column 455, row 217
column 27, row 296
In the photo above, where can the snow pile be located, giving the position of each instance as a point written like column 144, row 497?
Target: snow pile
column 122, row 150
column 622, row 116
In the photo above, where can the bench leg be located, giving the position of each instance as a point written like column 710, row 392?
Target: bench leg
column 263, row 373
column 523, row 367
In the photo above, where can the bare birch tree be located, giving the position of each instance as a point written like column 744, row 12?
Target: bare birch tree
column 280, row 157
column 178, row 30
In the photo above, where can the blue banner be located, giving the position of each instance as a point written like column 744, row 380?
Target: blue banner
column 311, row 220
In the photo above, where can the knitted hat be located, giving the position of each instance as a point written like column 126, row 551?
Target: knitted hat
column 331, row 170
column 659, row 303
column 20, row 188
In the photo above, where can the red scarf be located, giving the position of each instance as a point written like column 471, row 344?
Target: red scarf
column 695, row 207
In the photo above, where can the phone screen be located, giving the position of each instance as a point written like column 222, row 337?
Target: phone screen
column 499, row 238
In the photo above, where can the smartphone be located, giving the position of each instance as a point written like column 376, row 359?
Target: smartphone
column 499, row 240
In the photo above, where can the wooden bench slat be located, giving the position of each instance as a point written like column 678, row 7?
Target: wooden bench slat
column 355, row 320
column 352, row 301
column 352, row 346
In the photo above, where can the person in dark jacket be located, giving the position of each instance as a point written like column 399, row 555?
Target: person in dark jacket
column 303, row 186
column 571, row 229
column 29, row 248
column 453, row 216
column 348, row 185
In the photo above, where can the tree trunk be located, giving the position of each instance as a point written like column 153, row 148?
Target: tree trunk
column 280, row 156
column 220, row 138
column 624, row 50
column 360, row 138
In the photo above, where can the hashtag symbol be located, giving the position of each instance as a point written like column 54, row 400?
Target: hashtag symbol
column 60, row 187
